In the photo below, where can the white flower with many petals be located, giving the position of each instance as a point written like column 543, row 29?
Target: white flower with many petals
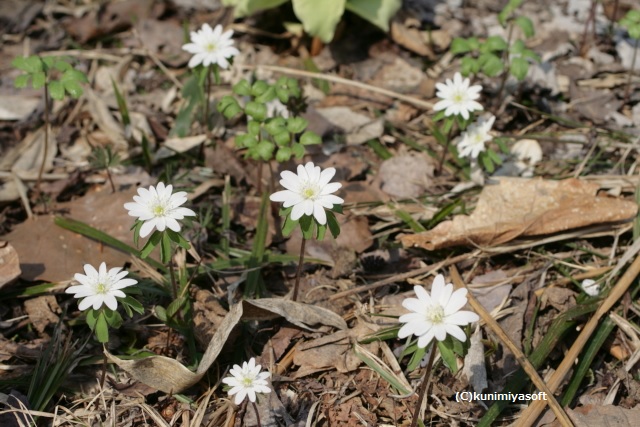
column 309, row 192
column 211, row 46
column 472, row 141
column 100, row 286
column 247, row 381
column 458, row 97
column 158, row 208
column 436, row 315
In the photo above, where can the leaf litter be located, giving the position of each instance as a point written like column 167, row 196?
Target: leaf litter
column 531, row 241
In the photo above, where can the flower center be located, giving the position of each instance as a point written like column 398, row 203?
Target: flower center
column 459, row 97
column 210, row 47
column 435, row 314
column 159, row 208
column 309, row 192
column 102, row 288
column 247, row 381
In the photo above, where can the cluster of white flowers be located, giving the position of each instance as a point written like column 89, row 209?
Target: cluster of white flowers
column 436, row 315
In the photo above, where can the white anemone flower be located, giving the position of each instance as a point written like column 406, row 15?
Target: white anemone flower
column 473, row 140
column 211, row 46
column 100, row 286
column 158, row 208
column 436, row 315
column 458, row 97
column 247, row 381
column 309, row 192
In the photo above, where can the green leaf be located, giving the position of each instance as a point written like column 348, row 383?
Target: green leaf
column 333, row 224
column 246, row 141
column 153, row 241
column 38, row 79
column 448, row 355
column 494, row 44
column 296, row 124
column 259, row 87
column 256, row 110
column 122, row 104
column 73, row 88
column 133, row 303
column 61, row 65
column 306, row 226
column 242, row 88
column 254, row 127
column 519, row 68
column 229, row 107
column 310, row 138
column 297, row 150
column 73, row 75
column 165, row 248
column 319, row 18
column 495, row 157
column 30, row 64
column 288, row 226
column 161, row 313
column 249, row 7
column 505, row 14
column 267, row 96
column 486, row 162
column 491, row 64
column 460, row 45
column 378, row 12
column 92, row 318
column 177, row 238
column 56, row 90
column 21, row 81
column 282, row 139
column 264, row 149
column 102, row 329
column 175, row 306
column 276, row 125
column 283, row 154
column 113, row 318
column 417, row 356
column 525, row 25
column 469, row 65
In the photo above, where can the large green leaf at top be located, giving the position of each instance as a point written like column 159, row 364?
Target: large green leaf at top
column 378, row 12
column 247, row 7
column 319, row 17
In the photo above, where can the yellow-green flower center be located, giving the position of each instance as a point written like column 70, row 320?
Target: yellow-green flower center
column 247, row 381
column 458, row 97
column 159, row 210
column 210, row 47
column 101, row 288
column 435, row 314
column 309, row 192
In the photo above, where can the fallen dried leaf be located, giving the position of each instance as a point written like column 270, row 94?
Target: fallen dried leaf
column 9, row 264
column 42, row 311
column 523, row 208
column 171, row 376
column 357, row 127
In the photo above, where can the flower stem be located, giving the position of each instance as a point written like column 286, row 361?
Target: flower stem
column 255, row 408
column 423, row 386
column 46, row 137
column 299, row 270
column 113, row 187
column 206, row 101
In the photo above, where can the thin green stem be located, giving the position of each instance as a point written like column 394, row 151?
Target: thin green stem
column 46, row 137
column 206, row 101
column 426, row 380
column 299, row 270
column 104, row 367
column 505, row 60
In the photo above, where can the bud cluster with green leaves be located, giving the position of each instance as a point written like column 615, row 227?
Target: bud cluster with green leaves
column 495, row 55
column 270, row 137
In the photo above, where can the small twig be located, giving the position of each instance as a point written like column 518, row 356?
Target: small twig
column 299, row 270
column 104, row 368
column 426, row 380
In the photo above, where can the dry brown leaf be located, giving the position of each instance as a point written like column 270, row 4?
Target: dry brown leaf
column 42, row 311
column 474, row 363
column 406, row 176
column 334, row 351
column 410, row 38
column 17, row 107
column 106, row 122
column 357, row 127
column 524, row 208
column 49, row 252
column 25, row 159
column 9, row 264
column 171, row 376
column 602, row 415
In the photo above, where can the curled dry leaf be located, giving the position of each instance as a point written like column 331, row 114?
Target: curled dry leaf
column 170, row 376
column 9, row 264
column 523, row 208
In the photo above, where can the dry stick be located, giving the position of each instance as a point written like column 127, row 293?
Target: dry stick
column 531, row 413
column 423, row 387
column 255, row 408
column 335, row 79
column 299, row 270
column 403, row 276
column 520, row 357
